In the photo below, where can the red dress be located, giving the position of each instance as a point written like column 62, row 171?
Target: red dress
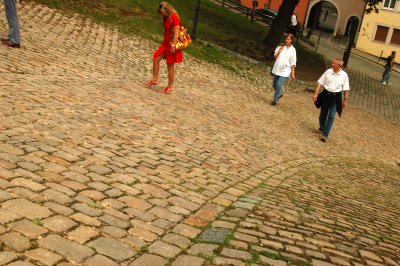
column 176, row 57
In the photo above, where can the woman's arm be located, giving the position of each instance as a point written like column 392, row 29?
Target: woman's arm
column 175, row 37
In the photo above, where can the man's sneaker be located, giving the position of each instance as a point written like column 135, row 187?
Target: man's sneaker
column 319, row 131
column 384, row 83
column 324, row 138
column 273, row 103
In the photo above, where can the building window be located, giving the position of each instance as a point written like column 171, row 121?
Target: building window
column 395, row 37
column 381, row 33
column 389, row 4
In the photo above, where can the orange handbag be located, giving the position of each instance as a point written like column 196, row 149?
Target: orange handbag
column 183, row 39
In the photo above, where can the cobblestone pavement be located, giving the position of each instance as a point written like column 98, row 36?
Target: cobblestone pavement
column 97, row 170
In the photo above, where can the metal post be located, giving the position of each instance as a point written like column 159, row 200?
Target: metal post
column 255, row 3
column 346, row 55
column 196, row 19
column 320, row 31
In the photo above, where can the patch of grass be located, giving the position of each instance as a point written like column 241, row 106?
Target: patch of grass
column 144, row 249
column 94, row 205
column 37, row 221
column 216, row 25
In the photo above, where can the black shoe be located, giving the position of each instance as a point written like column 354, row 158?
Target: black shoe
column 273, row 103
column 280, row 96
column 324, row 138
column 11, row 44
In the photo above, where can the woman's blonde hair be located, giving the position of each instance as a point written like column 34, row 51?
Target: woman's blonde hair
column 166, row 9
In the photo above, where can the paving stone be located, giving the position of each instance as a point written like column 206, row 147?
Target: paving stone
column 271, row 244
column 142, row 215
column 201, row 248
column 237, row 254
column 223, row 224
column 238, row 212
column 164, row 249
column 113, row 231
column 369, row 255
column 58, row 223
column 177, row 240
column 8, row 216
column 243, row 205
column 165, row 214
column 87, row 220
column 186, row 230
column 97, row 260
column 149, row 260
column 143, row 234
column 320, row 263
column 15, row 241
column 239, row 244
column 82, row 234
column 66, row 248
column 134, row 242
column 57, row 208
column 20, row 263
column 214, row 235
column 112, row 248
column 114, row 221
column 186, row 204
column 27, row 209
column 7, row 256
column 272, row 262
column 88, row 210
column 186, row 260
column 28, row 184
column 147, row 226
column 245, row 237
column 28, row 229
column 152, row 190
column 227, row 261
column 93, row 194
column 44, row 256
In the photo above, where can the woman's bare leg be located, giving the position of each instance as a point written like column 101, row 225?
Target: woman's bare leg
column 171, row 74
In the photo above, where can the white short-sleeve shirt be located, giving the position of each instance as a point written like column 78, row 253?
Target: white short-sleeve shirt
column 334, row 82
column 286, row 59
column 293, row 20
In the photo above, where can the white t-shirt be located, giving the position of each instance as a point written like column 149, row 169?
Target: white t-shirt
column 286, row 59
column 333, row 82
column 293, row 20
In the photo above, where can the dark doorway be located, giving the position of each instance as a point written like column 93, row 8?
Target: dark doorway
column 352, row 20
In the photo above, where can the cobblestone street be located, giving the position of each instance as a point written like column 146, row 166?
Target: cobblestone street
column 95, row 169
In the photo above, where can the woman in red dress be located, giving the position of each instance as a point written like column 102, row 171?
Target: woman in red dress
column 167, row 49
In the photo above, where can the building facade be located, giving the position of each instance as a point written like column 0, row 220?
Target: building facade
column 380, row 32
column 339, row 13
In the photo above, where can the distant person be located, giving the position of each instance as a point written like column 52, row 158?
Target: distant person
column 334, row 81
column 388, row 68
column 292, row 29
column 13, row 40
column 167, row 49
column 285, row 63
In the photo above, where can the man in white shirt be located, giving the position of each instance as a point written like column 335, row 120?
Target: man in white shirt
column 284, row 66
column 293, row 25
column 334, row 81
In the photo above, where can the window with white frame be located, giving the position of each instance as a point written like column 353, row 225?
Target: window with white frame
column 381, row 33
column 389, row 4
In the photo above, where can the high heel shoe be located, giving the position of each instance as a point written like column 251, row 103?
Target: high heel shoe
column 151, row 83
column 167, row 90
